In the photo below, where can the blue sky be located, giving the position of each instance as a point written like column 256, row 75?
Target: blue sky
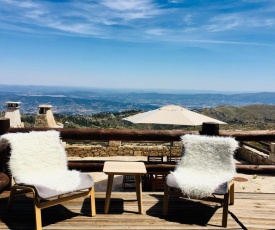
column 139, row 44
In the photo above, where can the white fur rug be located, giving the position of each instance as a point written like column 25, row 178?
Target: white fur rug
column 207, row 162
column 38, row 158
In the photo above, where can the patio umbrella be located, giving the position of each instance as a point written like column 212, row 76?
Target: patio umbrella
column 171, row 115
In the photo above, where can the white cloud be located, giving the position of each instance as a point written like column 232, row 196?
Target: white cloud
column 138, row 19
column 264, row 22
column 240, row 21
column 175, row 1
column 156, row 31
column 130, row 9
column 188, row 19
column 27, row 4
column 224, row 22
column 125, row 5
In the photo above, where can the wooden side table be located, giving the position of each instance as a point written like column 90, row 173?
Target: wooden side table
column 136, row 169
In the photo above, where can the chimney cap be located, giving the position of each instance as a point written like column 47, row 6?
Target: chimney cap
column 13, row 102
column 44, row 106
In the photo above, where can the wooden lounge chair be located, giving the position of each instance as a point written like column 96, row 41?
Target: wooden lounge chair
column 38, row 164
column 206, row 168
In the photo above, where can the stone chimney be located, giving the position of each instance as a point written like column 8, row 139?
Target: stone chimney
column 13, row 114
column 45, row 117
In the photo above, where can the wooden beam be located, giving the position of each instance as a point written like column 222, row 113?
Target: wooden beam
column 255, row 135
column 257, row 148
column 146, row 135
column 112, row 134
column 97, row 166
column 256, row 169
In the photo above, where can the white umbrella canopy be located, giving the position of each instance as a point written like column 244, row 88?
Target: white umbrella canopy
column 171, row 115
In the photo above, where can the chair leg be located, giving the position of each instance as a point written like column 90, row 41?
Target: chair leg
column 231, row 193
column 16, row 190
column 37, row 209
column 165, row 200
column 11, row 197
column 92, row 197
column 225, row 210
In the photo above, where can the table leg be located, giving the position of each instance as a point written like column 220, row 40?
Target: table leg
column 139, row 192
column 108, row 192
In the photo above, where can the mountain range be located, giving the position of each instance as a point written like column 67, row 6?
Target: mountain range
column 88, row 101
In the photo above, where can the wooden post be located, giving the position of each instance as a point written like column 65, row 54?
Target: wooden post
column 4, row 125
column 210, row 128
column 272, row 152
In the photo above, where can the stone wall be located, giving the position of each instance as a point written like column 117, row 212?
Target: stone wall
column 253, row 156
column 115, row 148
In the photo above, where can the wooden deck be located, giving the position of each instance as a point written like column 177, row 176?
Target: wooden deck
column 250, row 211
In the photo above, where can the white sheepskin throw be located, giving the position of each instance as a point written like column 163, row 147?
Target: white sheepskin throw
column 38, row 158
column 207, row 162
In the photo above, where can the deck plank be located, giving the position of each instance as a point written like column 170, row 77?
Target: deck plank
column 250, row 211
column 255, row 210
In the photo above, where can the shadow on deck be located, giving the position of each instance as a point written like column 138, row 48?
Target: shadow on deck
column 250, row 211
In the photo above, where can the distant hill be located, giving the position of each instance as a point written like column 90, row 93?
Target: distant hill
column 255, row 116
column 88, row 101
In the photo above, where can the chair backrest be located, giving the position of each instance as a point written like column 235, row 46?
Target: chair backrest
column 206, row 164
column 34, row 152
column 209, row 154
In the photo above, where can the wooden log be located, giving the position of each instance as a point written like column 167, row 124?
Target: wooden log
column 146, row 135
column 255, row 135
column 112, row 134
column 257, row 148
column 155, row 135
column 256, row 169
column 97, row 166
column 264, row 143
column 86, row 165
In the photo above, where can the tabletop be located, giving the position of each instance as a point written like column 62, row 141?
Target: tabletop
column 124, row 167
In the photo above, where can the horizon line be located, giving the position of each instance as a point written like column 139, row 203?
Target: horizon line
column 151, row 90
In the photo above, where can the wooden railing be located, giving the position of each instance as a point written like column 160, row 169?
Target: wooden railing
column 81, row 134
column 254, row 146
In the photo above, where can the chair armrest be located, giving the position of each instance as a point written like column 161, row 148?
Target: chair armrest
column 4, row 180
